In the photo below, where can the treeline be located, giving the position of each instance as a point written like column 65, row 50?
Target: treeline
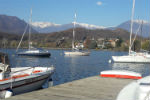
column 61, row 39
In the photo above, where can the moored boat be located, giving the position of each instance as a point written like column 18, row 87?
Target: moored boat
column 35, row 52
column 133, row 57
column 23, row 79
column 77, row 53
column 32, row 51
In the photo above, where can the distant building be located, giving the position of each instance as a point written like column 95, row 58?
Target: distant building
column 113, row 42
column 100, row 43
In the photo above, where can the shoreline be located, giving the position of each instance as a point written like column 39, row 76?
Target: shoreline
column 114, row 50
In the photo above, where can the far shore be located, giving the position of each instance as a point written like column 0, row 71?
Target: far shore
column 115, row 49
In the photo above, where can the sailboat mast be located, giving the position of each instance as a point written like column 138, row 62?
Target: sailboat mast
column 131, row 26
column 141, row 35
column 74, row 31
column 30, row 22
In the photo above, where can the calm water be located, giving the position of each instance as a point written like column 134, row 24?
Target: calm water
column 72, row 68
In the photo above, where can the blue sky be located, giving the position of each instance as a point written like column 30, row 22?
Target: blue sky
column 99, row 12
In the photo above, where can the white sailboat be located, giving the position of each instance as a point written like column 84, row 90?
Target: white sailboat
column 75, row 51
column 133, row 57
column 31, row 50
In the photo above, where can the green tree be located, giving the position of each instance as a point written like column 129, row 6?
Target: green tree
column 13, row 44
column 119, row 42
column 124, row 47
column 136, row 45
column 146, row 45
column 93, row 45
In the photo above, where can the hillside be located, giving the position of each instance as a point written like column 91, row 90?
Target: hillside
column 12, row 24
column 82, row 33
column 51, row 39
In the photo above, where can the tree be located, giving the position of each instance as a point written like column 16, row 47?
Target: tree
column 146, row 45
column 93, row 45
column 119, row 42
column 13, row 44
column 124, row 47
column 136, row 45
column 87, row 43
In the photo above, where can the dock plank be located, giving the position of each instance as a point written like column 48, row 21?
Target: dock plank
column 92, row 88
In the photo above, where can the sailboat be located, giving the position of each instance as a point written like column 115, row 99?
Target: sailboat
column 75, row 51
column 133, row 57
column 31, row 50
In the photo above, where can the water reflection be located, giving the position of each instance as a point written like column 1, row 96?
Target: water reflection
column 144, row 69
column 30, row 61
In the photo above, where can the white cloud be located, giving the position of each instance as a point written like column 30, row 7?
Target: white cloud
column 99, row 3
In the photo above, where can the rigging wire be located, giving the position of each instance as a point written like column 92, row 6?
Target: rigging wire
column 22, row 37
column 136, row 34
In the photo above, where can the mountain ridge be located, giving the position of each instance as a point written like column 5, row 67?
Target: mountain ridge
column 125, row 25
column 12, row 24
column 47, row 27
column 143, row 25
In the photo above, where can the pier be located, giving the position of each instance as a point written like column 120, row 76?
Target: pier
column 92, row 88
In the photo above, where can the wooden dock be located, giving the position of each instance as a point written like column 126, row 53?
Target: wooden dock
column 92, row 88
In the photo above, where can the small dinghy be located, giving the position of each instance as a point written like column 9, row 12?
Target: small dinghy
column 121, row 74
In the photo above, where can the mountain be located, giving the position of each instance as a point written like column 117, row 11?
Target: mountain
column 47, row 27
column 136, row 24
column 12, row 24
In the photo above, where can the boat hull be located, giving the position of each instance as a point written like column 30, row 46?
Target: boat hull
column 26, row 82
column 120, row 74
column 35, row 54
column 77, row 53
column 131, row 59
column 29, row 84
column 136, row 90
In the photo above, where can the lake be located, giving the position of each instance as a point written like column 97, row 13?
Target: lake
column 69, row 68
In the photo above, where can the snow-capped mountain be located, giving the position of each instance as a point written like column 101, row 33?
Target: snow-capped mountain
column 140, row 21
column 89, row 26
column 144, row 26
column 44, row 24
column 47, row 27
